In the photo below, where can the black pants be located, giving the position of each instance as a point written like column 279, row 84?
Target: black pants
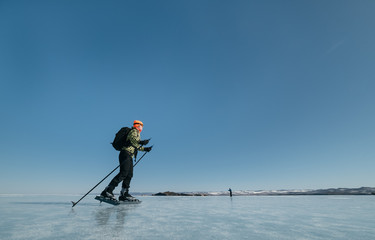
column 126, row 171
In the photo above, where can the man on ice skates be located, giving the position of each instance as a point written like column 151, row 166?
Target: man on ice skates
column 132, row 144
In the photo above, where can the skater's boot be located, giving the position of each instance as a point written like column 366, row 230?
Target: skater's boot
column 107, row 192
column 125, row 196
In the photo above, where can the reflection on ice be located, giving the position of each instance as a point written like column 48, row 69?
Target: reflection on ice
column 116, row 214
column 285, row 217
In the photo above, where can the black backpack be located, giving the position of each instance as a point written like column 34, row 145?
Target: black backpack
column 120, row 139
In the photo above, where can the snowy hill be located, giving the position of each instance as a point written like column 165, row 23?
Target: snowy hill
column 330, row 191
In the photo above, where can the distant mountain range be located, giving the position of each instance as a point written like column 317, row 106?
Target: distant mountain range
column 330, row 191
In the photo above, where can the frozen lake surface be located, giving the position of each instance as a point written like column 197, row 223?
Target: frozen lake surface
column 246, row 217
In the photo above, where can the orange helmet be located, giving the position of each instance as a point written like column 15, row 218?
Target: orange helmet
column 138, row 125
column 138, row 122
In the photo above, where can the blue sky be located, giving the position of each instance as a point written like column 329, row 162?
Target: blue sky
column 242, row 94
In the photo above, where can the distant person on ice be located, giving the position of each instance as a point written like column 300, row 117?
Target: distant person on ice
column 230, row 192
column 132, row 144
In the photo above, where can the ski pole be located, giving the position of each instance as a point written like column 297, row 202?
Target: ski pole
column 139, row 159
column 75, row 203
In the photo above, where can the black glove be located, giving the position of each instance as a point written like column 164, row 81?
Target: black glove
column 147, row 149
column 144, row 142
